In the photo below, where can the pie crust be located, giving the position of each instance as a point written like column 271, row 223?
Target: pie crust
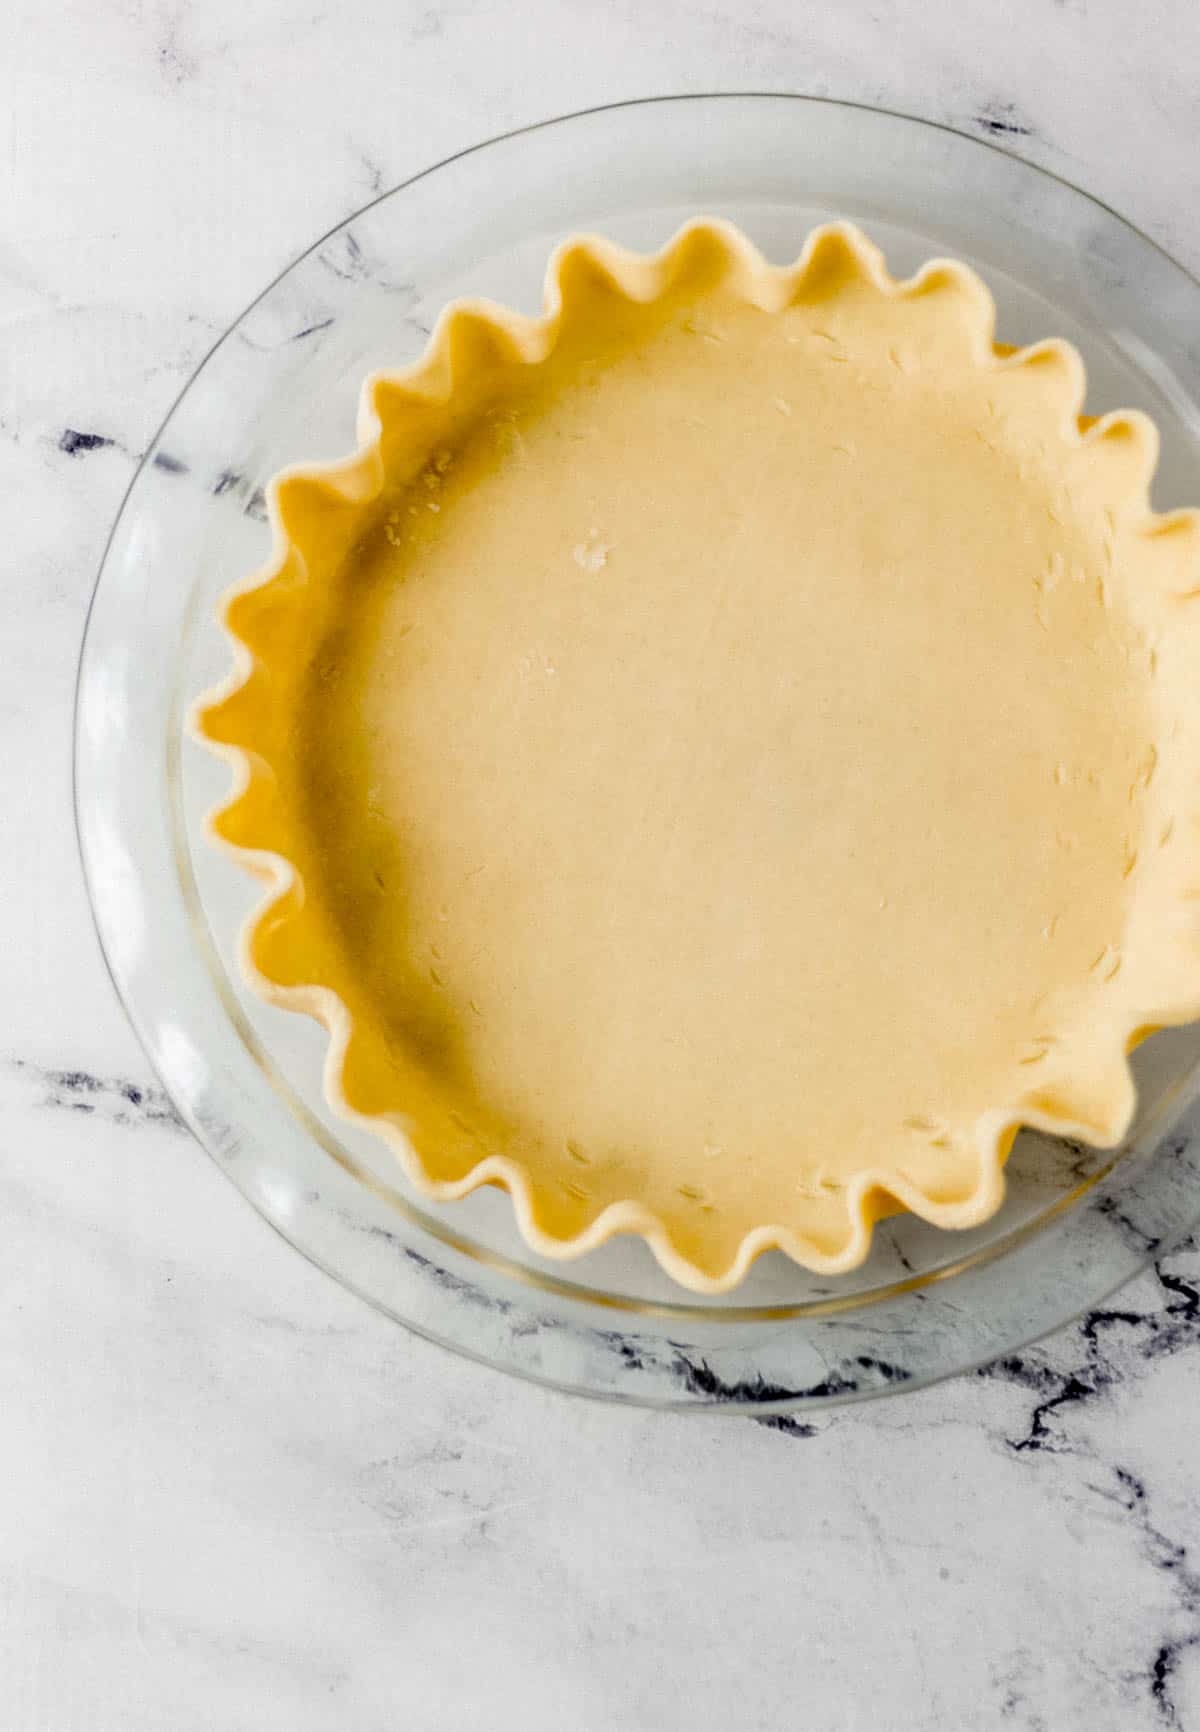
column 722, row 754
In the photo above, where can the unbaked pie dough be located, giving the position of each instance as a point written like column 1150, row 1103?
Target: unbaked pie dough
column 723, row 754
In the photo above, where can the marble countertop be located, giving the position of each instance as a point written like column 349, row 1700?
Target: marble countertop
column 232, row 1496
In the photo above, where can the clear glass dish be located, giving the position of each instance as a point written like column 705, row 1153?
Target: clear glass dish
column 282, row 386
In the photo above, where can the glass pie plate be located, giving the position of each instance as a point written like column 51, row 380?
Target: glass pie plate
column 281, row 386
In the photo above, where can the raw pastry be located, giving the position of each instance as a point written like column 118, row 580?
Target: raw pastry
column 722, row 755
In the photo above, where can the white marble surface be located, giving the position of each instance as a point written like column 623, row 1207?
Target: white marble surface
column 230, row 1495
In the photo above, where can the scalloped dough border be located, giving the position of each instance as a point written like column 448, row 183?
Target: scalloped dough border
column 359, row 479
